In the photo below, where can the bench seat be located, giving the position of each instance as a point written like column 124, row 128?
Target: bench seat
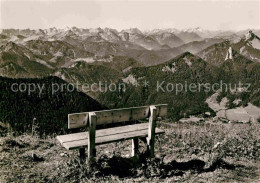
column 108, row 135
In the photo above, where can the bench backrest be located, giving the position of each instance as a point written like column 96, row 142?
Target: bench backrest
column 78, row 120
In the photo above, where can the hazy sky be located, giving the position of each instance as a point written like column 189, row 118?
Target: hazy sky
column 122, row 14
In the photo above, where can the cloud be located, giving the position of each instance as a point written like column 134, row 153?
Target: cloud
column 124, row 14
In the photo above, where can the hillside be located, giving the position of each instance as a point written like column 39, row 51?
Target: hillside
column 169, row 83
column 184, row 69
column 48, row 105
column 18, row 61
column 249, row 46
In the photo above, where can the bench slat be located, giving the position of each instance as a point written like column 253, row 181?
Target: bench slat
column 103, row 132
column 111, row 138
column 78, row 120
column 78, row 140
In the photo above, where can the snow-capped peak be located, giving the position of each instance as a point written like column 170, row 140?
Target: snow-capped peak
column 196, row 29
column 52, row 30
column 67, row 28
column 95, row 30
column 133, row 31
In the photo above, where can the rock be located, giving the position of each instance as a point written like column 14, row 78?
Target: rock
column 238, row 115
column 36, row 158
column 221, row 114
column 224, row 120
column 215, row 119
column 237, row 101
column 192, row 119
column 207, row 113
column 63, row 154
column 253, row 111
column 213, row 103
column 223, row 103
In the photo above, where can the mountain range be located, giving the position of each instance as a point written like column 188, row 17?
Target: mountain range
column 54, row 47
column 133, row 56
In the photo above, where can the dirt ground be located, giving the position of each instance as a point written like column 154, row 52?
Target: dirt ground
column 187, row 152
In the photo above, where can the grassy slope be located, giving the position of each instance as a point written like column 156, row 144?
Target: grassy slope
column 205, row 152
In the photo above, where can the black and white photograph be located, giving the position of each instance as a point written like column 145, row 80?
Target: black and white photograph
column 130, row 91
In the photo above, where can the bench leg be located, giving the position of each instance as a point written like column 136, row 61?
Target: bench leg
column 135, row 146
column 91, row 157
column 82, row 153
column 92, row 136
column 95, row 152
column 151, row 130
column 150, row 147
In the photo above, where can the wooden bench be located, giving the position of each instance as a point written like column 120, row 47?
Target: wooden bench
column 95, row 137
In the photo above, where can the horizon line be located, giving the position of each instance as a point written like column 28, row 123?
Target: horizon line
column 143, row 30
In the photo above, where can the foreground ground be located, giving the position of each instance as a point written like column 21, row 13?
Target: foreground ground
column 188, row 152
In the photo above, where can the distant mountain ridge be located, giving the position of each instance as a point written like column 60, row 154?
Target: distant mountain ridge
column 131, row 56
column 54, row 47
column 39, row 53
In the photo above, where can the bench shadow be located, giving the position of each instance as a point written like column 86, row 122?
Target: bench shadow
column 155, row 167
column 195, row 165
